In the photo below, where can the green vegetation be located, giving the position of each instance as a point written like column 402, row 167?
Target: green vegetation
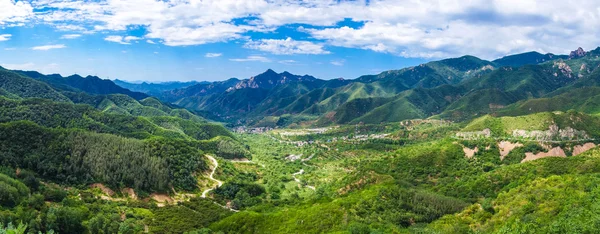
column 62, row 162
column 520, row 155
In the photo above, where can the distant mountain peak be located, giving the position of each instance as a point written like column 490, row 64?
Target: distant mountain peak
column 577, row 53
column 269, row 72
column 270, row 79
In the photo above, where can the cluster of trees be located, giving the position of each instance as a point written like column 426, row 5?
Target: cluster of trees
column 145, row 153
column 225, row 147
column 189, row 217
column 78, row 157
column 12, row 191
column 49, row 208
column 241, row 194
column 67, row 115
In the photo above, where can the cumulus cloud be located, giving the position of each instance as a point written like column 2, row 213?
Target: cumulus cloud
column 430, row 29
column 185, row 36
column 252, row 58
column 5, row 37
column 213, row 55
column 286, row 46
column 49, row 47
column 12, row 12
column 70, row 36
column 122, row 40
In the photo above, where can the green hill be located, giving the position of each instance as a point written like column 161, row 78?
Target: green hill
column 14, row 84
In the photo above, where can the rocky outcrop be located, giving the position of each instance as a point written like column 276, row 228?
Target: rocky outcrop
column 552, row 134
column 563, row 68
column 486, row 133
column 577, row 53
column 270, row 79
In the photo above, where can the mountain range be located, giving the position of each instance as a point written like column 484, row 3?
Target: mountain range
column 456, row 89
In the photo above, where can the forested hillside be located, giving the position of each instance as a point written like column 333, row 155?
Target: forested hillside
column 457, row 89
column 68, row 145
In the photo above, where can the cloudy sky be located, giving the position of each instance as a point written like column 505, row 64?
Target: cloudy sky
column 218, row 39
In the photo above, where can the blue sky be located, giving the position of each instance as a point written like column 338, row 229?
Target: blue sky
column 217, row 39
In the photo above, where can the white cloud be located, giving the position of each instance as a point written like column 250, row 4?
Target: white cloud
column 252, row 58
column 12, row 12
column 150, row 42
column 213, row 55
column 339, row 62
column 288, row 62
column 186, row 35
column 10, row 48
column 19, row 66
column 48, row 47
column 122, row 40
column 5, row 37
column 286, row 46
column 429, row 28
column 50, row 68
column 70, row 36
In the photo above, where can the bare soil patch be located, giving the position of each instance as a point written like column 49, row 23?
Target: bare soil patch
column 554, row 152
column 507, row 146
column 579, row 149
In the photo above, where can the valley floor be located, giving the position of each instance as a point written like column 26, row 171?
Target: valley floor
column 426, row 177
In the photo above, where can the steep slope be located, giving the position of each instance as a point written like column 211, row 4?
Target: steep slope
column 411, row 104
column 12, row 84
column 432, row 74
column 265, row 93
column 270, row 79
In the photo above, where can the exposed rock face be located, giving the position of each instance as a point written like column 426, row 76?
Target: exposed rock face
column 270, row 79
column 553, row 133
column 555, row 152
column 486, row 133
column 577, row 53
column 505, row 148
column 564, row 69
column 579, row 149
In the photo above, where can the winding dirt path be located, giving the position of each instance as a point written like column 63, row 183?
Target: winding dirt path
column 219, row 183
column 299, row 181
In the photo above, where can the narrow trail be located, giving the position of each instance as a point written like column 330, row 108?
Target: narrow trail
column 299, row 181
column 219, row 183
column 302, row 172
